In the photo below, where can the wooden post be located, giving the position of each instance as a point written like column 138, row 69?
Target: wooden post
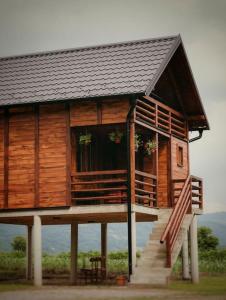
column 74, row 251
column 29, row 253
column 104, row 246
column 132, row 160
column 37, row 250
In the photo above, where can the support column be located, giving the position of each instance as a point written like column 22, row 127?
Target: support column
column 104, row 246
column 134, row 240
column 29, row 253
column 74, row 252
column 194, row 251
column 185, row 260
column 37, row 250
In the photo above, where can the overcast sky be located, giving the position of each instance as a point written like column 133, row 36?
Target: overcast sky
column 28, row 26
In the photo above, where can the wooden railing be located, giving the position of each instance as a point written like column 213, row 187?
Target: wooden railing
column 99, row 187
column 197, row 192
column 145, row 189
column 155, row 114
column 186, row 193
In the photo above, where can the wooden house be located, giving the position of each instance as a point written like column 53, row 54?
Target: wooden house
column 101, row 135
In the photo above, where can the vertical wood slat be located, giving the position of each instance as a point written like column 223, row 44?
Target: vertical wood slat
column 6, row 157
column 132, row 160
column 36, row 163
column 157, row 165
column 68, row 154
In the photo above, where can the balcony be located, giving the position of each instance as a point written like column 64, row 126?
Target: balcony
column 151, row 113
column 111, row 187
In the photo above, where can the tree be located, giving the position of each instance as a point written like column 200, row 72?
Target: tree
column 19, row 244
column 206, row 240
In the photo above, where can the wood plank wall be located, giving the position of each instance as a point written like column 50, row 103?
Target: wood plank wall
column 52, row 155
column 35, row 167
column 163, row 174
column 179, row 172
column 1, row 159
column 21, row 153
column 91, row 113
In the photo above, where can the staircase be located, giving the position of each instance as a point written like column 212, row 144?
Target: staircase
column 151, row 267
column 157, row 259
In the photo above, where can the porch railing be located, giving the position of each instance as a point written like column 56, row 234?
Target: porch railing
column 99, row 187
column 145, row 189
column 187, row 192
column 155, row 114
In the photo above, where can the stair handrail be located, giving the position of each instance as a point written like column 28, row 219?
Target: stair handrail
column 176, row 218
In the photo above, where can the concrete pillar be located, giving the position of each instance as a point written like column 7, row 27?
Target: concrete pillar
column 194, row 251
column 74, row 252
column 104, row 245
column 37, row 250
column 185, row 260
column 134, row 241
column 29, row 253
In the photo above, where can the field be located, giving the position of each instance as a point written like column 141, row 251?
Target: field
column 12, row 265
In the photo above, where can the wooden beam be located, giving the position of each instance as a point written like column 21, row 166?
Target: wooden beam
column 132, row 160
column 68, row 153
column 36, row 182
column 6, row 157
column 99, row 112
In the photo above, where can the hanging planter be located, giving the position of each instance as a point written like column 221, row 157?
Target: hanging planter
column 150, row 147
column 85, row 139
column 138, row 142
column 116, row 136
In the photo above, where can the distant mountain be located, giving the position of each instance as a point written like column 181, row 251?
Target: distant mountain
column 57, row 238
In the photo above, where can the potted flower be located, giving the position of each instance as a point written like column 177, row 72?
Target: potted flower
column 138, row 142
column 150, row 147
column 85, row 139
column 116, row 136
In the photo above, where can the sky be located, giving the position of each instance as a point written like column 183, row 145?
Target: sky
column 30, row 26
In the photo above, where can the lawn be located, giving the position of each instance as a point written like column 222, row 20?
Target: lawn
column 209, row 285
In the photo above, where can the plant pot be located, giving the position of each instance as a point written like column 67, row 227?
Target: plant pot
column 121, row 280
column 117, row 140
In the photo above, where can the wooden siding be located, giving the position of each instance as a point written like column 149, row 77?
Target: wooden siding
column 84, row 113
column 1, row 158
column 52, row 155
column 163, row 174
column 114, row 111
column 179, row 172
column 94, row 113
column 21, row 177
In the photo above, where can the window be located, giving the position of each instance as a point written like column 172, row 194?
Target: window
column 180, row 161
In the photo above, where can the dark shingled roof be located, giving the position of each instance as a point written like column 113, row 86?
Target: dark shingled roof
column 107, row 70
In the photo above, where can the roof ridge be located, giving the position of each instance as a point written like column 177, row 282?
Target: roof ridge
column 82, row 48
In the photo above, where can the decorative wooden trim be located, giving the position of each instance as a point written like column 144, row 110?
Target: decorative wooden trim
column 68, row 153
column 6, row 158
column 36, row 183
column 99, row 112
column 180, row 155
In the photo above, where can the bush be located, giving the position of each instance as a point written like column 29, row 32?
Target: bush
column 19, row 244
column 206, row 240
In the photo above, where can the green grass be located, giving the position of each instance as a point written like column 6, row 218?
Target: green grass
column 6, row 287
column 211, row 285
